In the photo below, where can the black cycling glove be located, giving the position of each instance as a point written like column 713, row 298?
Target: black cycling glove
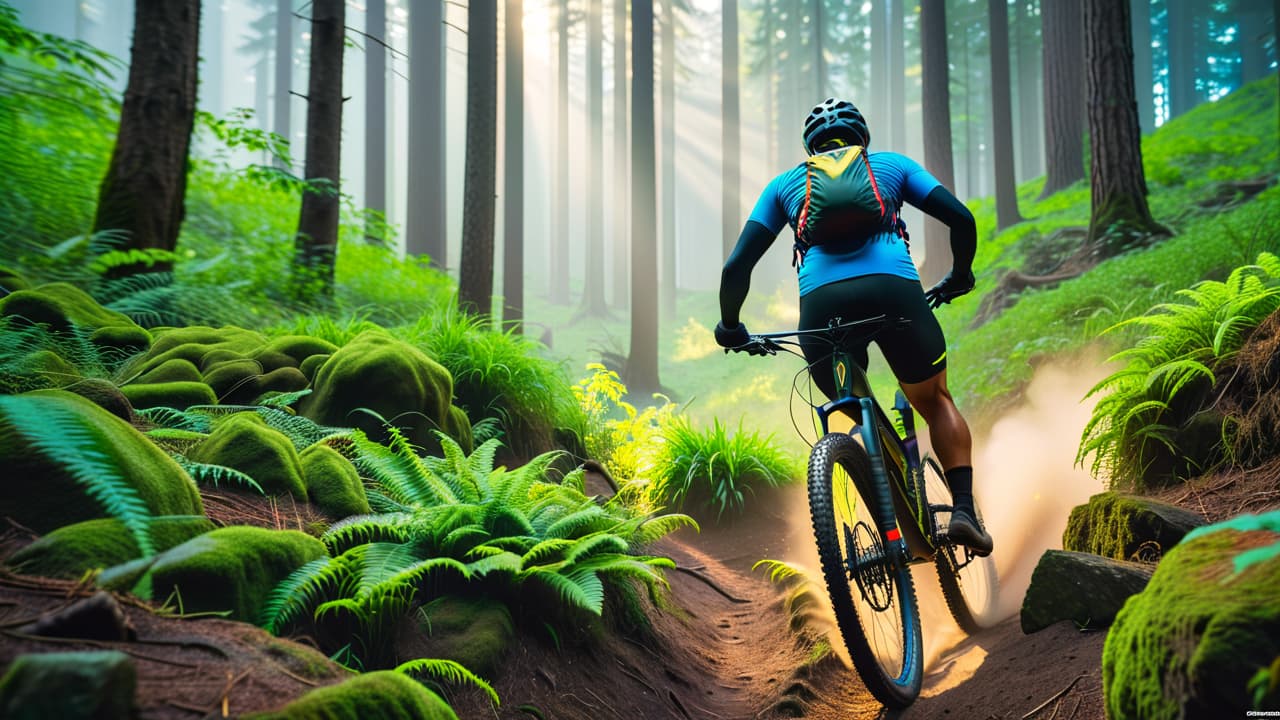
column 733, row 337
column 949, row 288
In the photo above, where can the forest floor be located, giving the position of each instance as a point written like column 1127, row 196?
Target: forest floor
column 723, row 646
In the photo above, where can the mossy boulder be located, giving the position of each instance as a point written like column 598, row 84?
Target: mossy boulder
column 172, row 370
column 1207, row 624
column 105, row 395
column 473, row 632
column 69, row 686
column 311, row 365
column 232, row 568
column 458, row 426
column 121, row 340
column 234, row 380
column 196, row 343
column 395, row 380
column 1126, row 527
column 1084, row 588
column 50, row 367
column 244, row 442
column 44, row 438
column 384, row 694
column 60, row 306
column 300, row 347
column 177, row 395
column 282, row 380
column 69, row 551
column 273, row 359
column 333, row 484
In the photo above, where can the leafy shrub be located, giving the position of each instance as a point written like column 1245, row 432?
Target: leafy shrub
column 712, row 471
column 1139, row 432
column 618, row 435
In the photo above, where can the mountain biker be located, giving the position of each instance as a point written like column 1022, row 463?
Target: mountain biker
column 876, row 278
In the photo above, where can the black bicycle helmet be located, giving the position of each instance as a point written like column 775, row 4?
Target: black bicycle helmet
column 834, row 118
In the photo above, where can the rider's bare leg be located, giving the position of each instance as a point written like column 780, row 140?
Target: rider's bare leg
column 948, row 431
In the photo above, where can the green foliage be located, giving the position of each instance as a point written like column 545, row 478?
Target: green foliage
column 713, row 470
column 383, row 694
column 1168, row 373
column 619, row 435
column 447, row 671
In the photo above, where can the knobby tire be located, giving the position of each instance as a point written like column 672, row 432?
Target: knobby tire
column 894, row 687
column 970, row 591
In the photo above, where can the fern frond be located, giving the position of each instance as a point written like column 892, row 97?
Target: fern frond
column 300, row 590
column 205, row 473
column 600, row 543
column 361, row 529
column 449, row 672
column 588, row 519
column 780, row 570
column 660, row 526
column 581, row 589
column 552, row 547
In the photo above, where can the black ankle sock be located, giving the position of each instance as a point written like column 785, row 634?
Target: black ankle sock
column 960, row 480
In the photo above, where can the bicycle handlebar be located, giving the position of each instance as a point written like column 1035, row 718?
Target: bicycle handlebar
column 767, row 343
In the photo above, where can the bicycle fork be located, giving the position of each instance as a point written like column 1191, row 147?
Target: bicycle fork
column 895, row 547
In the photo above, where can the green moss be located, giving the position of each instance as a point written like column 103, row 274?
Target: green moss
column 285, row 379
column 11, row 281
column 475, row 633
column 232, row 568
column 387, row 376
column 173, row 370
column 233, row 380
column 38, row 487
column 69, row 685
column 61, row 305
column 170, row 338
column 215, row 358
column 301, row 347
column 69, row 551
column 273, row 359
column 332, row 482
column 50, row 366
column 105, row 395
column 386, row 694
column 1188, row 645
column 458, row 426
column 1116, row 526
column 245, row 443
column 312, row 364
column 123, row 338
column 298, row 659
column 178, row 395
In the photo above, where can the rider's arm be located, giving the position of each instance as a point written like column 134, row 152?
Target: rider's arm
column 735, row 279
column 948, row 209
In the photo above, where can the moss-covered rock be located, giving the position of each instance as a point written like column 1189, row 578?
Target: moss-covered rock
column 61, row 305
column 44, row 438
column 332, row 482
column 1124, row 527
column 105, row 395
column 234, row 380
column 395, row 380
column 283, row 380
column 69, row 686
column 177, row 395
column 69, row 551
column 50, row 367
column 232, row 568
column 273, row 359
column 311, row 365
column 244, row 442
column 1206, row 624
column 385, row 694
column 458, row 426
column 473, row 632
column 301, row 347
column 121, row 340
column 173, row 370
column 1084, row 588
column 195, row 344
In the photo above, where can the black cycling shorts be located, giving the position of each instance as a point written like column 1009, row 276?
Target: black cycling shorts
column 915, row 351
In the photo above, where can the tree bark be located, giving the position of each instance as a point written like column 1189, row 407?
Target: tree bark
column 426, row 216
column 559, row 273
column 513, row 171
column 1002, row 116
column 1030, row 115
column 144, row 189
column 281, row 117
column 935, row 105
column 316, row 245
column 1064, row 94
column 668, row 274
column 1143, row 73
column 1119, row 187
column 375, row 134
column 642, row 361
column 593, row 302
column 621, row 224
column 475, row 274
column 731, row 139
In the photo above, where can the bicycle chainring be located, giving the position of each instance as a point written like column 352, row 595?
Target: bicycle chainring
column 868, row 566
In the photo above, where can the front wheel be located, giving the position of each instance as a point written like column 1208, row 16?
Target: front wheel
column 968, row 581
column 871, row 591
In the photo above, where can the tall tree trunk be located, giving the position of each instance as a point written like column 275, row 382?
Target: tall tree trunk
column 1253, row 52
column 316, row 245
column 642, row 362
column 1002, row 116
column 897, row 88
column 375, row 113
column 770, row 89
column 1030, row 105
column 1064, row 93
column 281, row 120
column 668, row 273
column 1182, row 21
column 1143, row 73
column 559, row 275
column 731, row 130
column 818, row 34
column 935, row 106
column 144, row 189
column 1119, row 188
column 593, row 302
column 425, row 220
column 261, row 91
column 513, row 191
column 621, row 224
column 475, row 273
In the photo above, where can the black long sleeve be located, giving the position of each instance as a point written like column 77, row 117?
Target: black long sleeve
column 948, row 209
column 735, row 279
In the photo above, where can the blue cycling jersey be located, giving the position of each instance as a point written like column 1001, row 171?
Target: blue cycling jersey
column 899, row 178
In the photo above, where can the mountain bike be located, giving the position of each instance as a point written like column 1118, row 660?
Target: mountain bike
column 879, row 508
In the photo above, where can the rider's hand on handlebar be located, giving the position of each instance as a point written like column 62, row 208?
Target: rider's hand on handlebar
column 949, row 288
column 733, row 337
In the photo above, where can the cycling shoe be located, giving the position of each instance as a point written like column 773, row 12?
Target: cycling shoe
column 965, row 530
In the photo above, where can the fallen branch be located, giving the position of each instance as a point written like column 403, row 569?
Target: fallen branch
column 1056, row 695
column 712, row 583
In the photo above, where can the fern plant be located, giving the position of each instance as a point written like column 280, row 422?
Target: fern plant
column 460, row 524
column 1140, row 428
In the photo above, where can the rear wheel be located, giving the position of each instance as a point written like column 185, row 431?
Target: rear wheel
column 872, row 595
column 968, row 582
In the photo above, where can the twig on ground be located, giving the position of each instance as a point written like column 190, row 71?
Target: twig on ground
column 1074, row 709
column 97, row 644
column 1056, row 695
column 188, row 643
column 226, row 691
column 712, row 584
